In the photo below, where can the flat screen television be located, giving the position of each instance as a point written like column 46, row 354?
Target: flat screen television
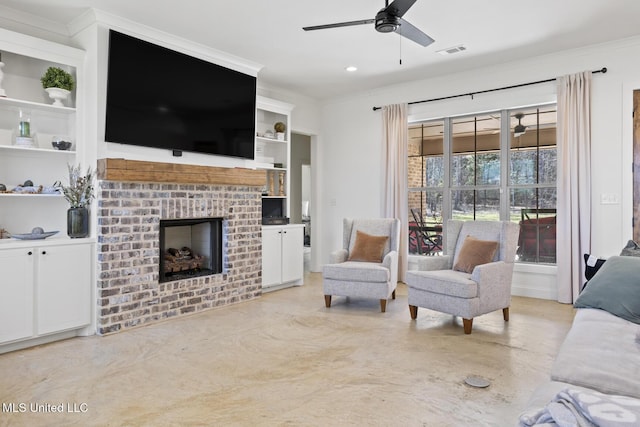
column 157, row 97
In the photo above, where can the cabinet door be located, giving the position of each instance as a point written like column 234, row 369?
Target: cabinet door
column 16, row 301
column 271, row 256
column 292, row 254
column 63, row 286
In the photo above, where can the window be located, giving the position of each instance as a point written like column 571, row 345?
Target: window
column 490, row 166
column 475, row 167
column 426, row 183
column 532, row 182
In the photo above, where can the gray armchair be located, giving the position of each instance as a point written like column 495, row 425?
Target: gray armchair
column 436, row 285
column 350, row 275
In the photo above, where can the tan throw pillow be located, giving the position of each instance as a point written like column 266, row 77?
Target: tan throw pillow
column 368, row 248
column 475, row 252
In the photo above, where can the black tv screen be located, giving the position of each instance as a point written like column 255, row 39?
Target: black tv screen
column 157, row 97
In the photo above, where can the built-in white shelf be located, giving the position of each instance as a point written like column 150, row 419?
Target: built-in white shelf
column 270, row 140
column 46, row 151
column 19, row 103
column 31, row 195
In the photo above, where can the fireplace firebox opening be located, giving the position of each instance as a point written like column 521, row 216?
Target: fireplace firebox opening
column 190, row 248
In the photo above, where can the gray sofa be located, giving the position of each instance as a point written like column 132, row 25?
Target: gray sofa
column 596, row 375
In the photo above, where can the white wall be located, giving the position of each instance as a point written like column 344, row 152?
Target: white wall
column 352, row 140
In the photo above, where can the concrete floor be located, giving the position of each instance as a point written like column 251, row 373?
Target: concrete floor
column 286, row 360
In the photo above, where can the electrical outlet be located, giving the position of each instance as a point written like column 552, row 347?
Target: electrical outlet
column 609, row 199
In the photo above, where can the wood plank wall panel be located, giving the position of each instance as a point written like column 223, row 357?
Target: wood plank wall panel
column 143, row 171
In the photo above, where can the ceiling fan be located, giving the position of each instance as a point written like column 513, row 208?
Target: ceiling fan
column 387, row 20
column 520, row 129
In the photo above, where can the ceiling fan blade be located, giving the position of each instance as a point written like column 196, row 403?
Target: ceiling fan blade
column 399, row 7
column 339, row 24
column 407, row 30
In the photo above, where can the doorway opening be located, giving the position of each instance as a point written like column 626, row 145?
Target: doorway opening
column 301, row 193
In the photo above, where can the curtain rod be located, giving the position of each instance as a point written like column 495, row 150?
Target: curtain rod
column 602, row 70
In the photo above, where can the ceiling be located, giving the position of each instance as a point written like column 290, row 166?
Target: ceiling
column 313, row 63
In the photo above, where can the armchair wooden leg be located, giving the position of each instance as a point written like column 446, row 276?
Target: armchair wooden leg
column 467, row 323
column 327, row 301
column 383, row 305
column 413, row 310
column 393, row 294
column 505, row 314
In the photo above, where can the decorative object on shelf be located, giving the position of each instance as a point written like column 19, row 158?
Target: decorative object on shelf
column 58, row 95
column 58, row 84
column 24, row 127
column 77, row 222
column 79, row 194
column 27, row 189
column 25, row 142
column 268, row 134
column 271, row 179
column 279, row 127
column 281, row 184
column 2, row 92
column 23, row 138
column 4, row 234
column 61, row 143
column 50, row 190
column 37, row 233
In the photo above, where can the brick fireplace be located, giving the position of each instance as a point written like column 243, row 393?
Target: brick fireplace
column 133, row 197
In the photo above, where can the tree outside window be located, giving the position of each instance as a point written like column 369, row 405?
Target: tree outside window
column 475, row 167
column 425, row 166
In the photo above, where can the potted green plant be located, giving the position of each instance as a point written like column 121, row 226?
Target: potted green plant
column 79, row 194
column 58, row 84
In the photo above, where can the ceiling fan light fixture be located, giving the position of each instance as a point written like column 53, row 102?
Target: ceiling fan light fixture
column 386, row 23
column 519, row 129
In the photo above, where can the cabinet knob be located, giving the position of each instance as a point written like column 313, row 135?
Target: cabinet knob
column 29, row 253
column 44, row 252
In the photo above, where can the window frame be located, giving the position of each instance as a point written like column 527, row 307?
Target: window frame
column 504, row 188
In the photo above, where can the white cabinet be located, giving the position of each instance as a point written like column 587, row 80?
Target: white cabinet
column 16, row 302
column 46, row 289
column 25, row 60
column 271, row 256
column 63, row 288
column 282, row 255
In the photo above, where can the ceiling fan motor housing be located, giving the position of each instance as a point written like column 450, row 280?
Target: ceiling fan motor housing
column 385, row 22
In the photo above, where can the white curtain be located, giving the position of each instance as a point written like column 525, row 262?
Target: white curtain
column 574, row 182
column 394, row 127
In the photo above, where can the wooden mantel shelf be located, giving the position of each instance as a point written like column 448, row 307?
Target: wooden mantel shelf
column 141, row 171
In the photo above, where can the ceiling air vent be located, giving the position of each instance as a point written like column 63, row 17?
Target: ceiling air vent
column 452, row 50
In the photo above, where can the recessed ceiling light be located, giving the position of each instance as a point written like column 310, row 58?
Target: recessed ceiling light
column 351, row 68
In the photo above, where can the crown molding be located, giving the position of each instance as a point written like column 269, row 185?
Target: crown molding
column 33, row 22
column 162, row 38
